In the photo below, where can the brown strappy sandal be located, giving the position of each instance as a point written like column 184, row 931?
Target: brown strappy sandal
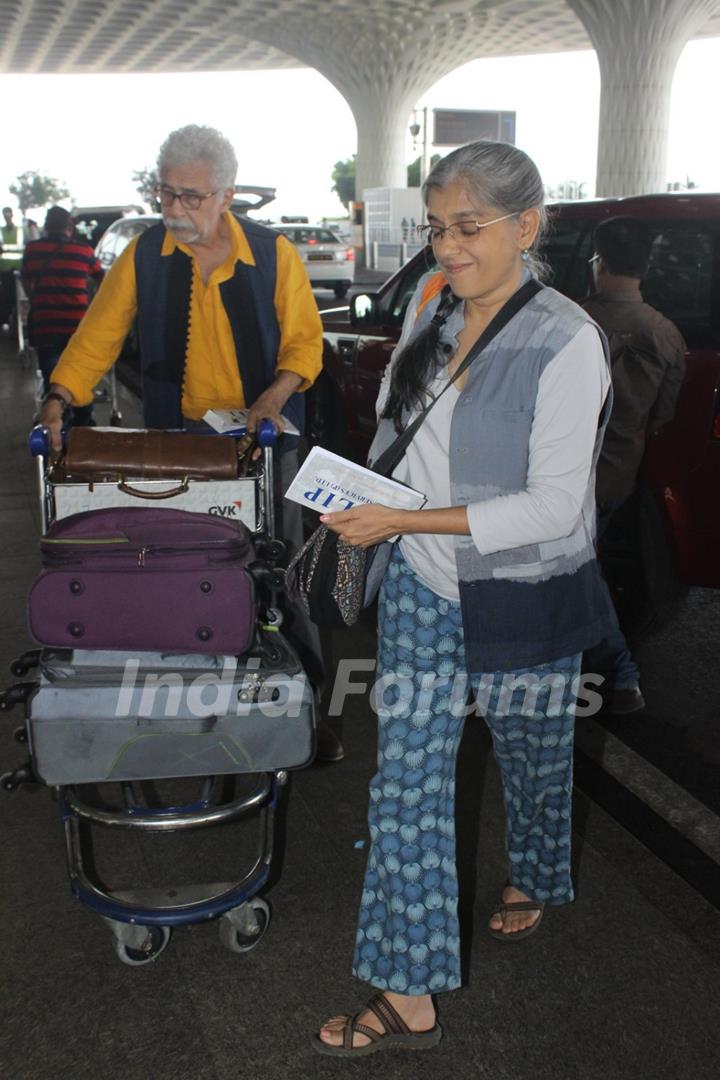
column 396, row 1033
column 505, row 907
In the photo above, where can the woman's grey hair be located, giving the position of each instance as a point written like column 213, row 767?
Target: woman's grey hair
column 197, row 142
column 498, row 175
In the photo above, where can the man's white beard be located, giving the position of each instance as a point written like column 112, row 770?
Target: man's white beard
column 183, row 229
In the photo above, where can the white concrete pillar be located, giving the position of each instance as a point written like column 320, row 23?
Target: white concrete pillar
column 382, row 72
column 638, row 43
column 382, row 127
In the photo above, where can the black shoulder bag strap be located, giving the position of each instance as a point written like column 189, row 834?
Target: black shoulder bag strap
column 391, row 457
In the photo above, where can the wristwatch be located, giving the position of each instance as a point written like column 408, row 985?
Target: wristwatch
column 52, row 396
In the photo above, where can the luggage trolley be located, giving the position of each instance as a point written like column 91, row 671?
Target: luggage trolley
column 141, row 919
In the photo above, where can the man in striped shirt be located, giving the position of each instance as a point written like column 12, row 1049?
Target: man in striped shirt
column 55, row 272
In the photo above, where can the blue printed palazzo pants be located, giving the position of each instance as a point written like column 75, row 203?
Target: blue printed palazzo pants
column 408, row 935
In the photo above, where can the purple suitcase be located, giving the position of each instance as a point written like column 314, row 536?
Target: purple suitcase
column 147, row 579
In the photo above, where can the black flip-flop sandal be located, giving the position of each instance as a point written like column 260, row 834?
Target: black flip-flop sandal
column 505, row 907
column 396, row 1035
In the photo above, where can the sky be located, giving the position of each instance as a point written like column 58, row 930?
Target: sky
column 290, row 127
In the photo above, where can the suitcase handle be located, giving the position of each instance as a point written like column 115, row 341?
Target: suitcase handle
column 129, row 490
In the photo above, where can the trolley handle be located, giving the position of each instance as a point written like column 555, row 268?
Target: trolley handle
column 39, row 441
column 266, row 434
column 39, row 446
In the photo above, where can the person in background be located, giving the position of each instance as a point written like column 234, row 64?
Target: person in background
column 647, row 355
column 55, row 273
column 10, row 254
column 492, row 588
column 30, row 230
column 226, row 320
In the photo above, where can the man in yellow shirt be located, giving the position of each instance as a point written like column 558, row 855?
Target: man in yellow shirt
column 225, row 316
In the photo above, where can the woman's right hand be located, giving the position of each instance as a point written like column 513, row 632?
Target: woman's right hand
column 367, row 525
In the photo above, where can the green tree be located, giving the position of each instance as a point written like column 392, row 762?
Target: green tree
column 35, row 190
column 343, row 176
column 146, row 180
column 413, row 170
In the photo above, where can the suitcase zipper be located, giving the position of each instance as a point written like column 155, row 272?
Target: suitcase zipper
column 90, row 540
column 57, row 556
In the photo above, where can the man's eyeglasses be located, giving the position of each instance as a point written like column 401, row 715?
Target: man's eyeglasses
column 191, row 200
column 461, row 230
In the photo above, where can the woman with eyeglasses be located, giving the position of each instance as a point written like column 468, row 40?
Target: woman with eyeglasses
column 489, row 596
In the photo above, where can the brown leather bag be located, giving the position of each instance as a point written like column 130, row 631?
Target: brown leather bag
column 117, row 455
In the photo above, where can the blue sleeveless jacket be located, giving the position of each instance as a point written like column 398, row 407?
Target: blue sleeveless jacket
column 163, row 310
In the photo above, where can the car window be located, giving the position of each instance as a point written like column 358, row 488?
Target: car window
column 105, row 250
column 679, row 281
column 407, row 285
column 310, row 236
column 566, row 250
column 85, row 227
column 682, row 281
column 125, row 232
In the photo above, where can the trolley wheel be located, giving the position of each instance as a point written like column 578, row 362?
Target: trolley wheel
column 16, row 695
column 22, row 664
column 10, row 781
column 274, row 550
column 254, row 917
column 115, row 418
column 20, row 734
column 156, row 941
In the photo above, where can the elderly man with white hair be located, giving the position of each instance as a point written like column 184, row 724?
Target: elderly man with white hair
column 225, row 316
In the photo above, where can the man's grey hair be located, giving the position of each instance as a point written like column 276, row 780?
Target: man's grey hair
column 195, row 142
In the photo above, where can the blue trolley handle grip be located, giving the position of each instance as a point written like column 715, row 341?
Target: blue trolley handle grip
column 39, row 442
column 266, row 434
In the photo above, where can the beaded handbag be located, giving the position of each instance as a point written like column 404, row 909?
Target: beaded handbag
column 327, row 575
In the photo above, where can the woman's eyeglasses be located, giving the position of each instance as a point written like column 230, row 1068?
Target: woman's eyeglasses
column 191, row 200
column 460, row 230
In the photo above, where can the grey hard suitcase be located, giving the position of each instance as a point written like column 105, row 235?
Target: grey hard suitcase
column 104, row 716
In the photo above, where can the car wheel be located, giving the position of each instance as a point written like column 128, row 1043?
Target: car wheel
column 341, row 291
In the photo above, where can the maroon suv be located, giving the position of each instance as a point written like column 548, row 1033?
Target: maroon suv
column 683, row 459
